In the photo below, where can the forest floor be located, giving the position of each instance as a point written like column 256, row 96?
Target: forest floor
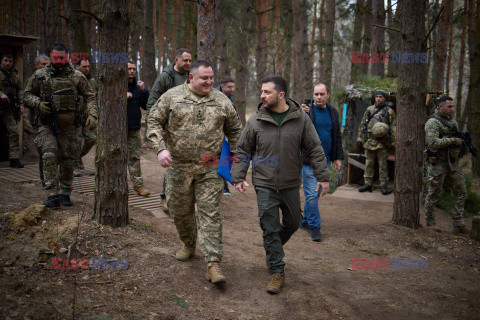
column 321, row 282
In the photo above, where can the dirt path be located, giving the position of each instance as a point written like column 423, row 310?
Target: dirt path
column 320, row 281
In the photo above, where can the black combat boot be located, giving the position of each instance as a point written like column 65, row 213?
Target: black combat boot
column 65, row 200
column 15, row 163
column 384, row 190
column 365, row 187
column 52, row 202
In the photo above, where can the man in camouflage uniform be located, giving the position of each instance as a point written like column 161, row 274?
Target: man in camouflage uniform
column 11, row 106
column 59, row 85
column 443, row 165
column 381, row 118
column 88, row 136
column 192, row 119
column 172, row 76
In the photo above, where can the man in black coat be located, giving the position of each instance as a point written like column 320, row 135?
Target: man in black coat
column 137, row 96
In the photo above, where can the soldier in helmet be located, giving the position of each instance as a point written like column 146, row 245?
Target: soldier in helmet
column 377, row 134
column 11, row 106
column 54, row 92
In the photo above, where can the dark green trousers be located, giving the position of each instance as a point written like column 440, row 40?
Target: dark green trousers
column 275, row 232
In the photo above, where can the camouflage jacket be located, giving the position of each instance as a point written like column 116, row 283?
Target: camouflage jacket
column 387, row 117
column 11, row 85
column 438, row 140
column 81, row 101
column 37, row 87
column 192, row 126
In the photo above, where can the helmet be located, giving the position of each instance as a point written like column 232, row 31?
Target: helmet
column 380, row 130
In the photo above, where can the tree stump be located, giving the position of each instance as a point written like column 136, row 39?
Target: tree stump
column 475, row 233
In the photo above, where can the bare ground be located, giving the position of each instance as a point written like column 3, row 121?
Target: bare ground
column 320, row 282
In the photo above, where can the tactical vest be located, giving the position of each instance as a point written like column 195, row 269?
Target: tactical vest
column 64, row 96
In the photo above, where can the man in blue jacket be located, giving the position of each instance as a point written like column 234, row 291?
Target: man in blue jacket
column 137, row 96
column 325, row 120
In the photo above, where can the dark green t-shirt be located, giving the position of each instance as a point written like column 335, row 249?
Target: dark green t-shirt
column 278, row 117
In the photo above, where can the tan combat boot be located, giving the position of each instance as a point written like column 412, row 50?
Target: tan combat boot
column 277, row 282
column 214, row 273
column 185, row 253
column 141, row 191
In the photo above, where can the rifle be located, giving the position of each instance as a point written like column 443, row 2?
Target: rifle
column 51, row 120
column 14, row 107
column 467, row 141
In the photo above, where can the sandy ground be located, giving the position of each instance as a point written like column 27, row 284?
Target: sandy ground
column 321, row 283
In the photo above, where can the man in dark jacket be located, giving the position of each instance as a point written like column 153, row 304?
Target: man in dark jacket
column 273, row 139
column 137, row 96
column 325, row 119
column 172, row 76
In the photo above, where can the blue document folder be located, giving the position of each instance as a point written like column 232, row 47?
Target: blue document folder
column 225, row 162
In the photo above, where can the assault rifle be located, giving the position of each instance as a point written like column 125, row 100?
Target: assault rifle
column 50, row 120
column 467, row 141
column 14, row 107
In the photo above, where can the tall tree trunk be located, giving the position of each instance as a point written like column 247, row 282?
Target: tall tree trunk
column 302, row 76
column 314, row 31
column 321, row 30
column 148, row 63
column 288, row 31
column 458, row 103
column 474, row 91
column 367, row 35
column 378, row 40
column 441, row 41
column 76, row 26
column 327, row 61
column 111, row 188
column 161, row 36
column 206, row 29
column 222, row 45
column 241, row 68
column 450, row 53
column 262, row 44
column 410, row 135
column 472, row 14
column 357, row 39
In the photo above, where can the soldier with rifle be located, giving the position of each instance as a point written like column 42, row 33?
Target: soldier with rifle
column 11, row 106
column 54, row 91
column 445, row 146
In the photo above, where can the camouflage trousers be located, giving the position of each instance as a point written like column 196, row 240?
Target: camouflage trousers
column 89, row 138
column 370, row 155
column 6, row 116
column 438, row 174
column 134, row 155
column 58, row 158
column 184, row 189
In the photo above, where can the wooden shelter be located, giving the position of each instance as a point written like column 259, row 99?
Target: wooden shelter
column 14, row 44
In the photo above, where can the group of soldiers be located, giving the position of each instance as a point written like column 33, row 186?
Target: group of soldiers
column 377, row 133
column 187, row 120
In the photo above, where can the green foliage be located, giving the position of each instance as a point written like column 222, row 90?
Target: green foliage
column 104, row 316
column 472, row 204
column 332, row 180
column 375, row 82
column 178, row 300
